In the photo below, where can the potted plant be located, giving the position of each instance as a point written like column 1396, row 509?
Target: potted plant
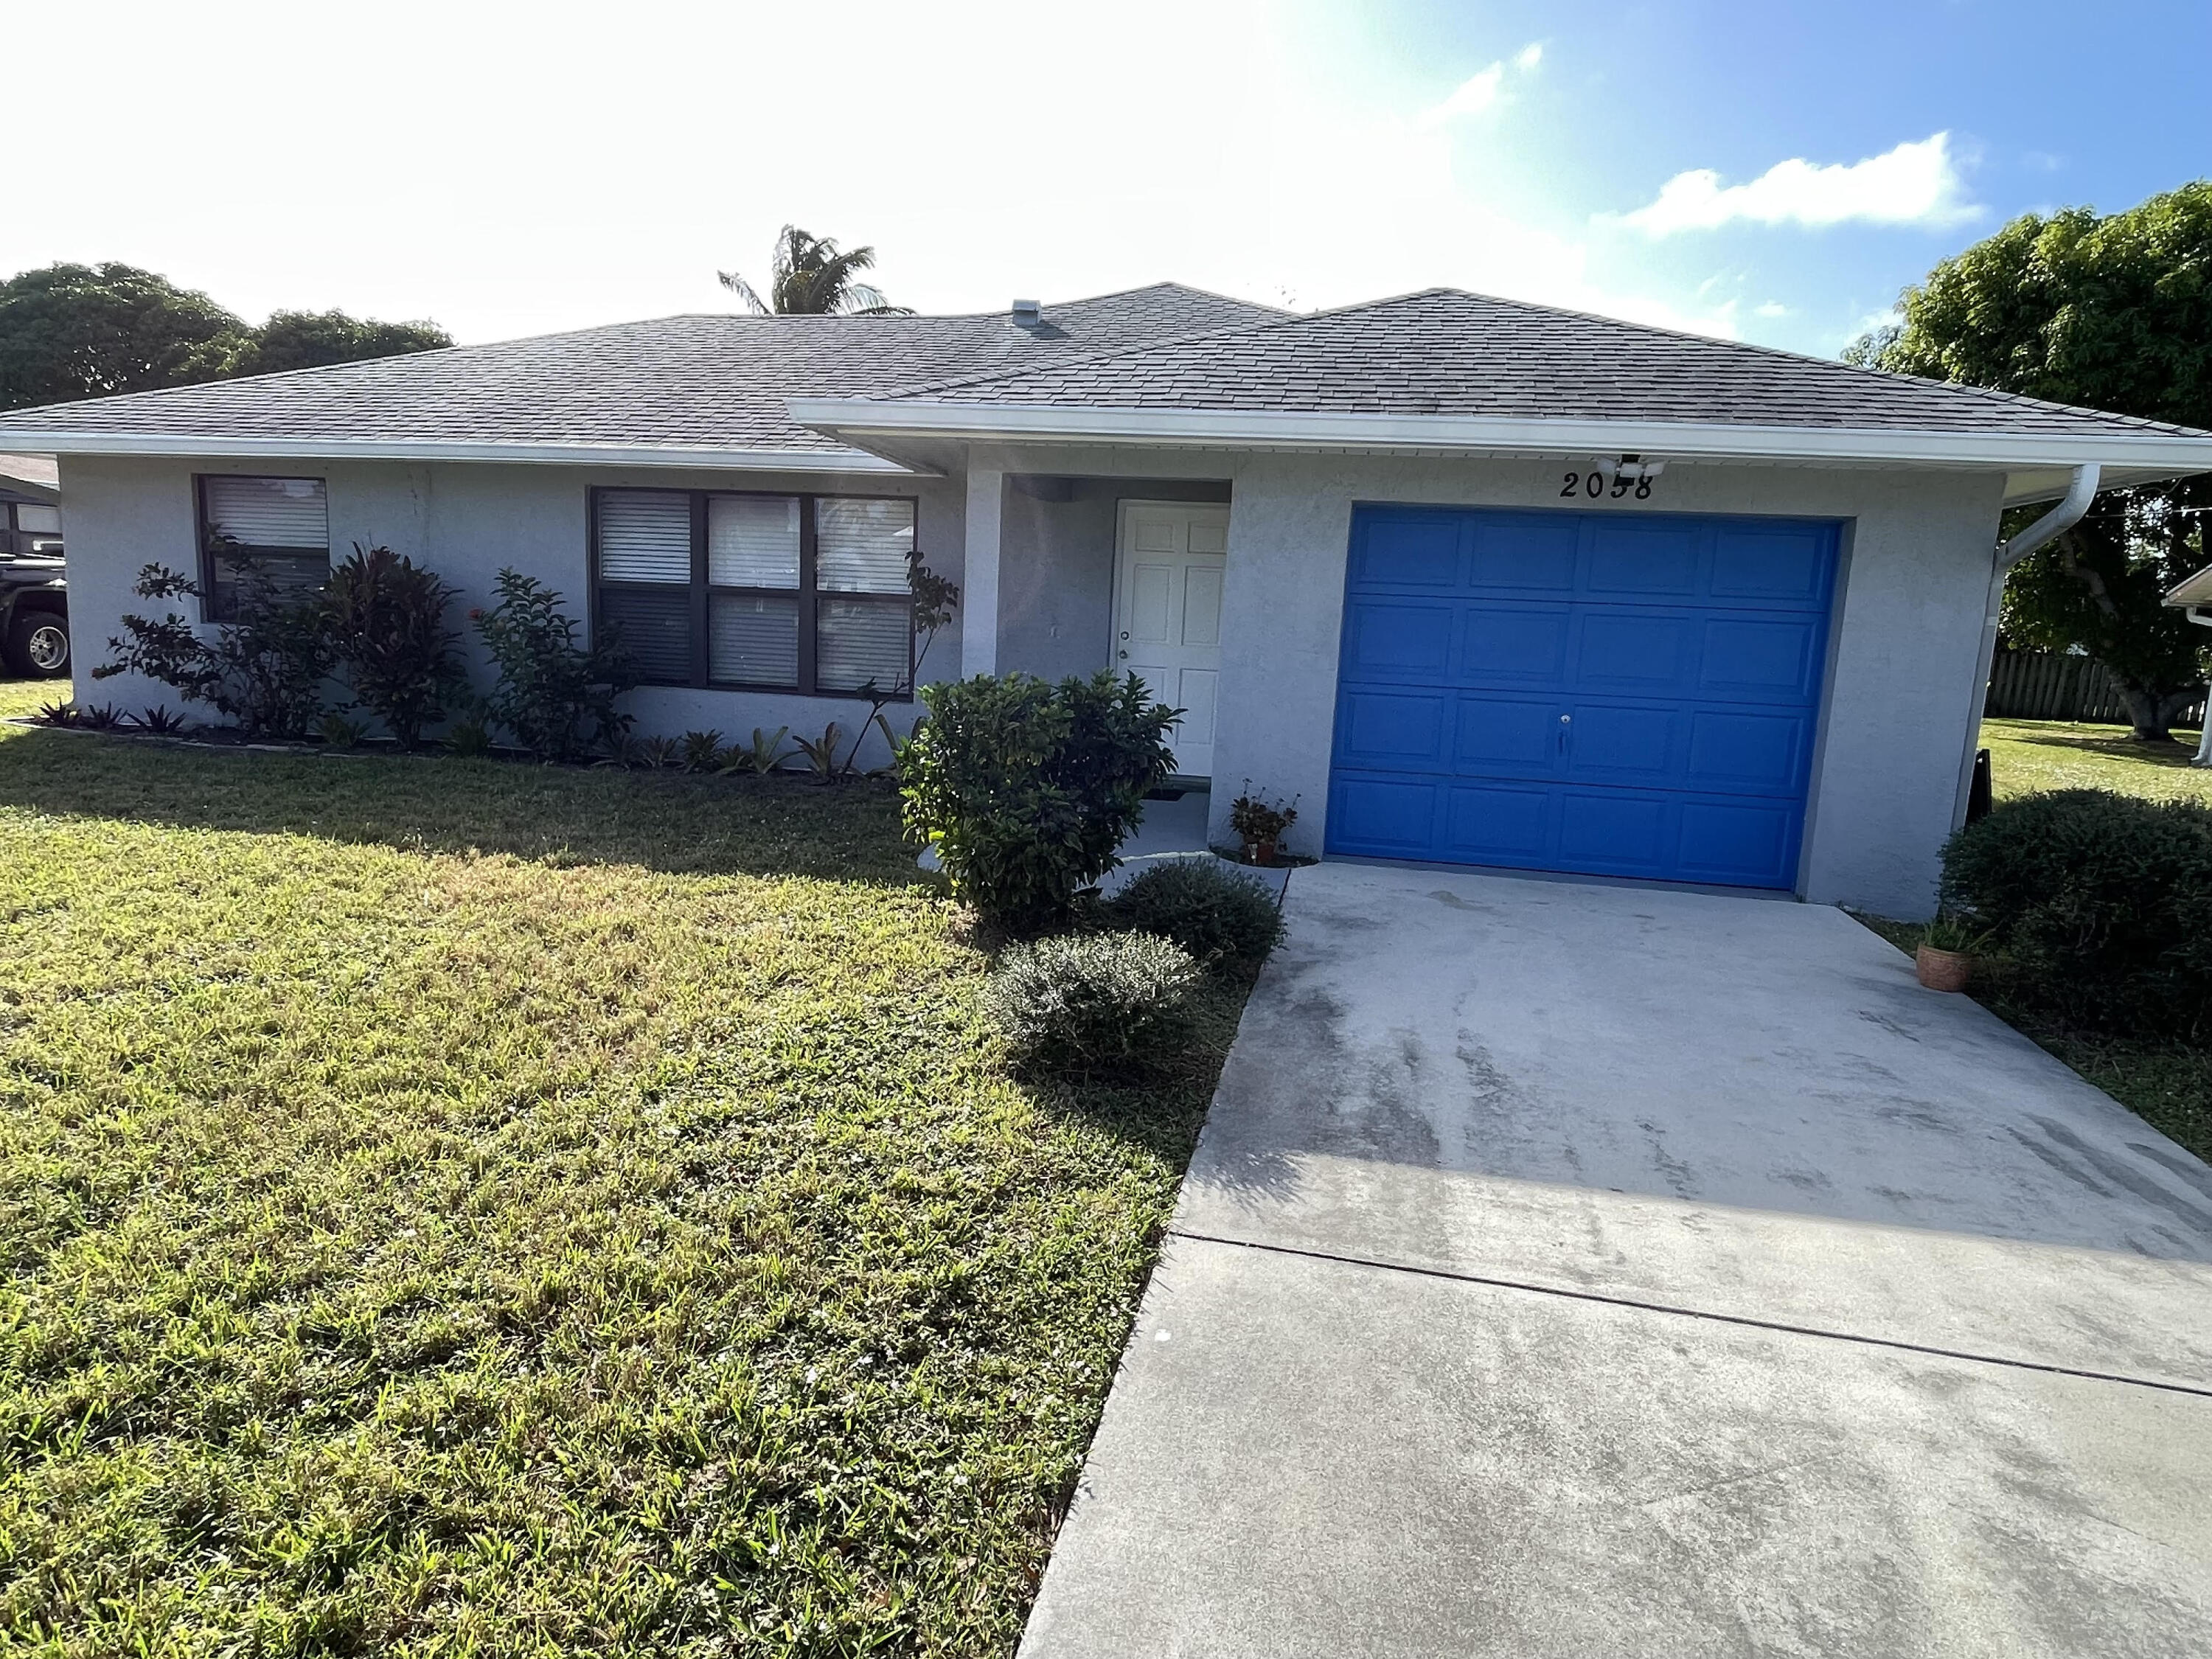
column 1945, row 960
column 1259, row 823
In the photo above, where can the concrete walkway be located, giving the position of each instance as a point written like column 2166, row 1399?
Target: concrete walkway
column 1582, row 1270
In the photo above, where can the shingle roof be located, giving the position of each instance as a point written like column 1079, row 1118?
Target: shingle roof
column 714, row 381
column 1444, row 352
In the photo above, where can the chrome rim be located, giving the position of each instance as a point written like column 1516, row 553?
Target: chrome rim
column 47, row 647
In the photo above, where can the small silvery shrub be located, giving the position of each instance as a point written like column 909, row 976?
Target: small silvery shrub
column 2102, row 903
column 1082, row 1003
column 1219, row 913
column 1025, row 788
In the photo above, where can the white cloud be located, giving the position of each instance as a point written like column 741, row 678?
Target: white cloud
column 1771, row 308
column 1480, row 90
column 1915, row 183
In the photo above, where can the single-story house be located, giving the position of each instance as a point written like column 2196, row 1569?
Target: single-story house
column 1475, row 581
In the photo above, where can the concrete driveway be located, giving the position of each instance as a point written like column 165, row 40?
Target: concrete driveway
column 1581, row 1270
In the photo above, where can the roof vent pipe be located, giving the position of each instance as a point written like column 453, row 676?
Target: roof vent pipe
column 2061, row 518
column 1028, row 313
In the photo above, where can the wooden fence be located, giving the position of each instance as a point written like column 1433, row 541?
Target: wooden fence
column 2050, row 685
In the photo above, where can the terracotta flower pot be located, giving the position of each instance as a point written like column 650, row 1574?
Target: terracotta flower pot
column 1942, row 970
column 1261, row 852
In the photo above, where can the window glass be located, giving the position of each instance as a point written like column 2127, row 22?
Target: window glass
column 752, row 638
column 654, row 628
column 859, row 641
column 286, row 513
column 752, row 541
column 38, row 520
column 860, row 546
column 645, row 535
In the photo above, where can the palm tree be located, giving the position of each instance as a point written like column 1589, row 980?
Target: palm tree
column 813, row 278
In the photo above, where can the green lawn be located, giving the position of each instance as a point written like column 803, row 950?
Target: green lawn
column 456, row 1207
column 2167, row 1082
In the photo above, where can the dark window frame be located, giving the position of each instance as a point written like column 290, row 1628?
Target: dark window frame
column 209, row 613
column 700, row 591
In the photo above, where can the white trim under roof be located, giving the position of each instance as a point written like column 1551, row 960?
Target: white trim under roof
column 855, row 419
column 448, row 449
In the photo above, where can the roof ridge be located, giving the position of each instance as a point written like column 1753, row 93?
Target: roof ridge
column 1832, row 364
column 1281, row 320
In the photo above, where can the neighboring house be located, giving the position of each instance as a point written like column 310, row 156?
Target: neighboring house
column 2194, row 598
column 1478, row 581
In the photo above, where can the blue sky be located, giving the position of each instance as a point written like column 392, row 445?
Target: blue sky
column 1771, row 172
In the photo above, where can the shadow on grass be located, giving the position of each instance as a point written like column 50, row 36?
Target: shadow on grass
column 2112, row 742
column 668, row 822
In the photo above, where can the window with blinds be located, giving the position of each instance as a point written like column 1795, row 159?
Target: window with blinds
column 789, row 593
column 274, row 531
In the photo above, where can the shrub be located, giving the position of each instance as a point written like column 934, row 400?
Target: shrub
column 1093, row 1002
column 1217, row 913
column 265, row 669
column 388, row 633
column 1026, row 788
column 553, row 696
column 2103, row 902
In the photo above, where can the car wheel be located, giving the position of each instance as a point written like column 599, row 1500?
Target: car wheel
column 39, row 645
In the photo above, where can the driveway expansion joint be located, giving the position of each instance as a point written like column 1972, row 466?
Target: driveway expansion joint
column 1782, row 1326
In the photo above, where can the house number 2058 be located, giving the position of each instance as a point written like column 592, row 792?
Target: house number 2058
column 1593, row 484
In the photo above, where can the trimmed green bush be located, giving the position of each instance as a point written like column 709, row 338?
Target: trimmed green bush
column 2103, row 902
column 1024, row 788
column 1083, row 1003
column 1216, row 912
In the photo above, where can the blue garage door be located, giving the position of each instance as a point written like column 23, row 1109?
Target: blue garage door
column 1603, row 693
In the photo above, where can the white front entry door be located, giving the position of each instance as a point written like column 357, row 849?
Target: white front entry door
column 1167, row 615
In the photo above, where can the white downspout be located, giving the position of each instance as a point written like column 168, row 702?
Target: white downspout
column 2062, row 518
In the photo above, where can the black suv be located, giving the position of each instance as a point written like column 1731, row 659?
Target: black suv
column 34, row 597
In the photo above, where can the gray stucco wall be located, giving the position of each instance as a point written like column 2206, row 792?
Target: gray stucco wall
column 1900, row 696
column 1056, row 567
column 466, row 521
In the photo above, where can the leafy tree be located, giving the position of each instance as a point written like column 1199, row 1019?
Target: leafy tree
column 812, row 277
column 2111, row 312
column 70, row 331
column 313, row 339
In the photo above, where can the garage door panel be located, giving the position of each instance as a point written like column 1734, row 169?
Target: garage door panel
column 1501, row 643
column 1625, row 743
column 1494, row 823
column 1520, row 732
column 1385, row 731
column 1742, row 749
column 1616, row 831
column 1638, row 651
column 1788, row 566
column 1398, row 641
column 1408, row 551
column 1526, row 552
column 1738, row 842
column 1609, row 693
column 1385, row 818
column 1763, row 657
column 1648, row 559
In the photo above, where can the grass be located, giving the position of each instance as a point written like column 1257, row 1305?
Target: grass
column 2167, row 1084
column 2029, row 756
column 458, row 1207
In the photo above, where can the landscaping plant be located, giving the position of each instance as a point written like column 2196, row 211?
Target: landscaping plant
column 1025, row 788
column 1259, row 823
column 2102, row 903
column 555, row 697
column 1080, row 1004
column 702, row 751
column 761, row 756
column 265, row 668
column 1218, row 913
column 388, row 635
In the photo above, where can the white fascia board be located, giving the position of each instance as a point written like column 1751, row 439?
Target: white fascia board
column 443, row 449
column 853, row 419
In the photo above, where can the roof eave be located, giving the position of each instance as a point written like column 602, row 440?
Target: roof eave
column 212, row 447
column 864, row 423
